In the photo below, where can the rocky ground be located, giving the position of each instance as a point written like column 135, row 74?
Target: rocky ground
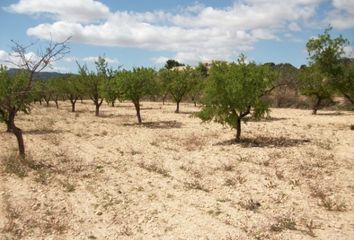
column 173, row 177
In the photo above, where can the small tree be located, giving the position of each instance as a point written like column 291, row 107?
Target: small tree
column 178, row 83
column 73, row 89
column 136, row 84
column 325, row 54
column 15, row 92
column 197, row 80
column 94, row 84
column 56, row 86
column 314, row 83
column 234, row 91
column 111, row 92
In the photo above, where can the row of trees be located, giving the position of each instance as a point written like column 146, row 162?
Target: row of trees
column 106, row 84
column 229, row 92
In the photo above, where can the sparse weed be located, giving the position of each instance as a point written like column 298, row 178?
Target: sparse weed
column 193, row 143
column 283, row 223
column 250, row 204
column 279, row 174
column 228, row 167
column 68, row 186
column 42, row 177
column 327, row 200
column 196, row 185
column 155, row 167
column 14, row 164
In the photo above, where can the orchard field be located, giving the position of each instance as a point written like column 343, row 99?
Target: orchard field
column 174, row 177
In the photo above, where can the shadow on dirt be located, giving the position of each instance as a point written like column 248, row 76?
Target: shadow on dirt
column 158, row 125
column 272, row 142
column 42, row 131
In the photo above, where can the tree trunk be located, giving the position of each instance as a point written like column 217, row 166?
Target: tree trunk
column 112, row 103
column 177, row 108
column 316, row 106
column 8, row 127
column 97, row 109
column 47, row 101
column 238, row 130
column 73, row 102
column 18, row 133
column 137, row 108
column 56, row 102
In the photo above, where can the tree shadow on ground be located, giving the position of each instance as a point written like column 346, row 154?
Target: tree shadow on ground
column 158, row 125
column 272, row 142
column 268, row 119
column 42, row 131
column 330, row 114
column 188, row 112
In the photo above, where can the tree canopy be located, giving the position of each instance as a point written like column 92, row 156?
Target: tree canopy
column 234, row 91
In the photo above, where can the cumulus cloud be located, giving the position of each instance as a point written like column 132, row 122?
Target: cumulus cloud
column 195, row 33
column 90, row 59
column 349, row 52
column 68, row 10
column 10, row 60
column 342, row 16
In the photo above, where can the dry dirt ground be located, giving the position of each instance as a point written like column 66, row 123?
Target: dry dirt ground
column 105, row 177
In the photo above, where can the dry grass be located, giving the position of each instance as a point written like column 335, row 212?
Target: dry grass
column 175, row 178
column 14, row 164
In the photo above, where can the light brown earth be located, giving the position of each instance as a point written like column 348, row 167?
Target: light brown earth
column 175, row 178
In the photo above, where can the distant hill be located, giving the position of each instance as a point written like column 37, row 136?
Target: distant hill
column 39, row 76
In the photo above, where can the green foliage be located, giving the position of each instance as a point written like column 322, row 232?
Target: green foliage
column 326, row 52
column 321, row 78
column 136, row 84
column 345, row 84
column 73, row 87
column 177, row 83
column 313, row 82
column 234, row 91
column 11, row 88
column 94, row 84
column 197, row 80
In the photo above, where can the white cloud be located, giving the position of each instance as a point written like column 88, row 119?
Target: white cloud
column 94, row 59
column 294, row 27
column 68, row 10
column 160, row 60
column 342, row 16
column 90, row 59
column 195, row 33
column 349, row 52
column 10, row 60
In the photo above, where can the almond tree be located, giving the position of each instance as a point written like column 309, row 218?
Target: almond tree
column 325, row 71
column 234, row 91
column 94, row 83
column 73, row 89
column 136, row 84
column 177, row 83
column 15, row 91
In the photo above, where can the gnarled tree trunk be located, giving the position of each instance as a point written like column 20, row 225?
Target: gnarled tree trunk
column 17, row 132
column 137, row 108
column 316, row 105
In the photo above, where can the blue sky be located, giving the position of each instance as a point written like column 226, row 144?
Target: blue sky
column 147, row 33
